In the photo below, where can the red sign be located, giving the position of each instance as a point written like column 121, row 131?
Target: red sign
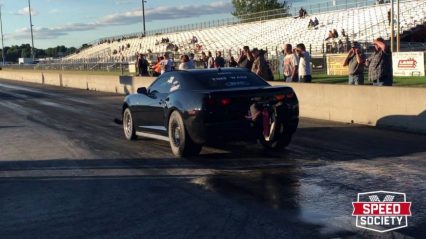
column 381, row 209
column 408, row 64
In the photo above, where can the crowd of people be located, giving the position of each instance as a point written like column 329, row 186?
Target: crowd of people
column 253, row 60
column 313, row 23
column 296, row 63
column 332, row 34
column 334, row 44
column 379, row 64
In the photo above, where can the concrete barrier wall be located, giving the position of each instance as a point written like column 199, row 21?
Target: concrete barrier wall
column 114, row 84
column 397, row 107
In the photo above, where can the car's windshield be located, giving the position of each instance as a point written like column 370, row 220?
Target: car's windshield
column 227, row 80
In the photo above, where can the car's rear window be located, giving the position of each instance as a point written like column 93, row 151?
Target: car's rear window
column 227, row 80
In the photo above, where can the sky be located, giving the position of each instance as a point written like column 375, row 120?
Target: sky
column 74, row 22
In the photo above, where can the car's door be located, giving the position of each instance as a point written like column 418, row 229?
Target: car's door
column 153, row 113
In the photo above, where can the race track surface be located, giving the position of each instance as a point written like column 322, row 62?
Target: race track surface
column 66, row 171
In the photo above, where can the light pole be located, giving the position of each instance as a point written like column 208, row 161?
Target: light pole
column 31, row 27
column 398, row 40
column 392, row 25
column 143, row 15
column 2, row 38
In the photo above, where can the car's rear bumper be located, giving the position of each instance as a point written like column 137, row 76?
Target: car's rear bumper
column 202, row 133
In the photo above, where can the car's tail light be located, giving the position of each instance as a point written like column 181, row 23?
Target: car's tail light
column 225, row 101
column 217, row 101
column 280, row 97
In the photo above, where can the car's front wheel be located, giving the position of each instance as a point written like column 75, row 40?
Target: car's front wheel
column 180, row 142
column 128, row 125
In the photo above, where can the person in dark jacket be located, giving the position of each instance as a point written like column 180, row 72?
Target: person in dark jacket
column 142, row 65
column 355, row 62
column 379, row 64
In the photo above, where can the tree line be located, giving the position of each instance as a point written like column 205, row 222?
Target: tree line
column 13, row 53
column 244, row 8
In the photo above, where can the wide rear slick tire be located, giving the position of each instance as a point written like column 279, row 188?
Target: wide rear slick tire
column 280, row 140
column 128, row 125
column 180, row 142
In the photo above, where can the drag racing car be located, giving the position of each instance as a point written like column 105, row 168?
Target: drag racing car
column 192, row 108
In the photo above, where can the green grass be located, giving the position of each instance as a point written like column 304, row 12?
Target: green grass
column 415, row 81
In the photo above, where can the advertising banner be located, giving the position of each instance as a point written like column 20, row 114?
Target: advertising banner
column 408, row 63
column 335, row 65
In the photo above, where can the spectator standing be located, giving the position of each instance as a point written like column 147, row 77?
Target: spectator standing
column 142, row 64
column 166, row 64
column 210, row 60
column 333, row 46
column 304, row 64
column 246, row 58
column 291, row 63
column 335, row 33
column 347, row 43
column 343, row 33
column 157, row 67
column 232, row 62
column 204, row 59
column 260, row 66
column 184, row 64
column 219, row 61
column 191, row 63
column 379, row 64
column 340, row 46
column 355, row 62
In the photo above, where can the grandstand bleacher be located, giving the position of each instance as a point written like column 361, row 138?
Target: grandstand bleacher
column 360, row 23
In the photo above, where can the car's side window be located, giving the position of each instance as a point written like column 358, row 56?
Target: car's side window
column 159, row 86
column 165, row 84
column 175, row 83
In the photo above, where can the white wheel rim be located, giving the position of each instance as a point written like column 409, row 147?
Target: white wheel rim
column 271, row 129
column 127, row 124
column 176, row 131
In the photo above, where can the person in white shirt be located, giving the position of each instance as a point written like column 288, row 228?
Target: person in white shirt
column 291, row 62
column 166, row 64
column 304, row 64
column 184, row 65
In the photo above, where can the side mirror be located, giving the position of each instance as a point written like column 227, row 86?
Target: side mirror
column 142, row 90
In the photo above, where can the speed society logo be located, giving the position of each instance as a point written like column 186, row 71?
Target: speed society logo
column 381, row 211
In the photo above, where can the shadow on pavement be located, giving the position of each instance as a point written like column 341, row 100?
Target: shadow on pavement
column 116, row 199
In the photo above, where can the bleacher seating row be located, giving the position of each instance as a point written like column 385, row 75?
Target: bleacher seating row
column 361, row 24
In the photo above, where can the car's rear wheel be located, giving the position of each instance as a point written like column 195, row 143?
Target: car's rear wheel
column 180, row 142
column 273, row 134
column 128, row 125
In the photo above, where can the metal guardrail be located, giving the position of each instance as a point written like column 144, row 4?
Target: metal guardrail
column 123, row 67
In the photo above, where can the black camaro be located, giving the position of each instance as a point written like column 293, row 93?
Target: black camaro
column 191, row 108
